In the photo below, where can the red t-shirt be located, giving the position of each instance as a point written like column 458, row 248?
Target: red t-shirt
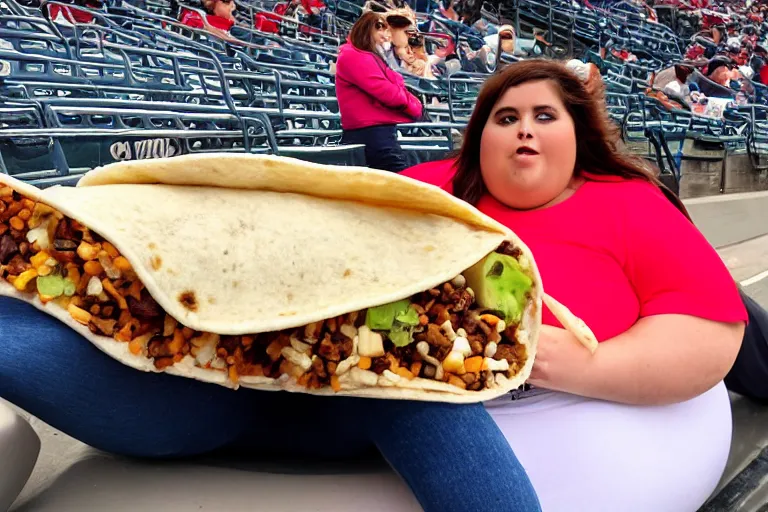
column 192, row 19
column 613, row 252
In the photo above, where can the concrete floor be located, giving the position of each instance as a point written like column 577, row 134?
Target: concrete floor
column 70, row 476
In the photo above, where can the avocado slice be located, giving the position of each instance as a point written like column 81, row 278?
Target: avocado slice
column 500, row 284
column 381, row 318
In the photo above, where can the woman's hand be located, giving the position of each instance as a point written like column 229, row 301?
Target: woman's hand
column 561, row 361
column 662, row 359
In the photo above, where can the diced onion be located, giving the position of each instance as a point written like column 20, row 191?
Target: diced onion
column 494, row 365
column 95, row 287
column 370, row 344
column 299, row 359
column 39, row 235
column 461, row 344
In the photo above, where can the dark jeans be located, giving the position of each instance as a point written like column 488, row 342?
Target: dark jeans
column 382, row 151
column 453, row 457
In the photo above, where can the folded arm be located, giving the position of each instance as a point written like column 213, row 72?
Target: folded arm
column 662, row 359
column 370, row 78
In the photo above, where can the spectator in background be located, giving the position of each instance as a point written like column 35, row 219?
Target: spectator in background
column 673, row 80
column 412, row 63
column 219, row 19
column 503, row 41
column 71, row 14
column 372, row 97
column 313, row 11
column 401, row 22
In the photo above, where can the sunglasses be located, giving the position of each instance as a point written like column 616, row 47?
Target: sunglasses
column 416, row 40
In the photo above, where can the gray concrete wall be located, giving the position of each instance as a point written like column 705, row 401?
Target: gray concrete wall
column 704, row 178
column 730, row 218
column 702, row 169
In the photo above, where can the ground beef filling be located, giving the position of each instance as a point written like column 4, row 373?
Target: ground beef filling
column 44, row 252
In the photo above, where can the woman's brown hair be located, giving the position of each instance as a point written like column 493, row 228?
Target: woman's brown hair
column 597, row 138
column 360, row 35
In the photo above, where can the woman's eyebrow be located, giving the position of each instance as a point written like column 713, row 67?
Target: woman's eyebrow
column 505, row 110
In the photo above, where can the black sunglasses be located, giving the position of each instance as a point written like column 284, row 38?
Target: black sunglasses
column 416, row 41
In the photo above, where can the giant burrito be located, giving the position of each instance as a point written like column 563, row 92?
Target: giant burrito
column 276, row 274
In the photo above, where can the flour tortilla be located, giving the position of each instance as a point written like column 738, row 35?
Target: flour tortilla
column 267, row 243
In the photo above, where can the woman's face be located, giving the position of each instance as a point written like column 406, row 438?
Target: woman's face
column 528, row 147
column 224, row 9
column 381, row 33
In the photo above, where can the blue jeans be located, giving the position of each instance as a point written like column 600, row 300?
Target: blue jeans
column 453, row 457
column 382, row 150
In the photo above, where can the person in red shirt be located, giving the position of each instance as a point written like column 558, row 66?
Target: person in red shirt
column 72, row 14
column 644, row 423
column 218, row 21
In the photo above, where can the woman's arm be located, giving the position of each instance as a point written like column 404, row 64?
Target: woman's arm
column 369, row 76
column 661, row 359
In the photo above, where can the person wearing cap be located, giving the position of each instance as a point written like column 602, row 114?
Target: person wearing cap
column 412, row 62
column 401, row 22
column 503, row 41
column 372, row 96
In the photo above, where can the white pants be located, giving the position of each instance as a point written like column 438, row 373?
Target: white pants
column 585, row 455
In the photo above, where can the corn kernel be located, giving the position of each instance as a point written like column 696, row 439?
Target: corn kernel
column 87, row 251
column 44, row 270
column 21, row 282
column 364, row 363
column 474, row 364
column 79, row 315
column 93, row 268
column 110, row 250
column 39, row 259
column 6, row 191
column 27, row 204
column 25, row 214
column 454, row 363
column 16, row 223
column 121, row 263
column 233, row 375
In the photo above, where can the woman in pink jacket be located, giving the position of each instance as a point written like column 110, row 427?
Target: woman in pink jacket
column 372, row 96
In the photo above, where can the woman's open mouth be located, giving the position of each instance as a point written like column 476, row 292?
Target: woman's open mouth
column 525, row 152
